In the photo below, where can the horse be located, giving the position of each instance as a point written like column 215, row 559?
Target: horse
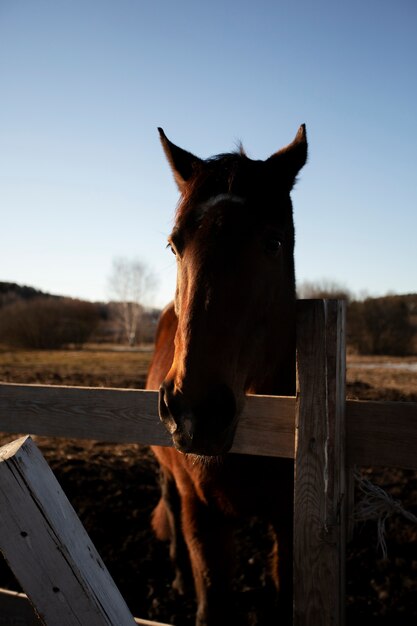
column 230, row 331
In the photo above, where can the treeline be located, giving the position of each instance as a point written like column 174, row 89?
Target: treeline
column 379, row 326
column 383, row 325
column 33, row 319
column 47, row 323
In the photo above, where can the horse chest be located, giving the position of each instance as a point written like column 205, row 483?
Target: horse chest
column 241, row 485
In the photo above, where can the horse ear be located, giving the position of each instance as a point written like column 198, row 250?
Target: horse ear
column 292, row 158
column 182, row 162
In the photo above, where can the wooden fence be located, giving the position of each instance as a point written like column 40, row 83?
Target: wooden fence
column 325, row 434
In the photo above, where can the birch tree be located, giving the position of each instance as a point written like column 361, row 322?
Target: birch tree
column 131, row 284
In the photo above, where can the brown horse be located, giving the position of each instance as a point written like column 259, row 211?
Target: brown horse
column 230, row 332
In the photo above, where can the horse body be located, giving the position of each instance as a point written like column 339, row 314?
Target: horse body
column 231, row 331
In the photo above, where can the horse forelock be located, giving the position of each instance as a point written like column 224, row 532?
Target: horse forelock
column 219, row 184
column 213, row 202
column 220, row 178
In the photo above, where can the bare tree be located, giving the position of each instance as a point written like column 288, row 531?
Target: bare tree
column 131, row 284
column 324, row 288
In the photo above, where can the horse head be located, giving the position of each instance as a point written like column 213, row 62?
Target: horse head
column 233, row 239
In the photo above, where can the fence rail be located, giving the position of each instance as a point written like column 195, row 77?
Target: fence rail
column 377, row 433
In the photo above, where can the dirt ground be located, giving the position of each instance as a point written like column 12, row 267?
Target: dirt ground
column 114, row 488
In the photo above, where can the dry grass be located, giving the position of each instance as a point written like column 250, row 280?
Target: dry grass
column 111, row 366
column 92, row 366
column 384, row 374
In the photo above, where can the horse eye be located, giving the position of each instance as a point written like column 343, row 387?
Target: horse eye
column 171, row 247
column 273, row 244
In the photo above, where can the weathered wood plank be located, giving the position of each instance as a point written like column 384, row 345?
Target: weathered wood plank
column 131, row 416
column 114, row 415
column 147, row 622
column 266, row 427
column 378, row 433
column 16, row 610
column 47, row 547
column 382, row 433
column 319, row 519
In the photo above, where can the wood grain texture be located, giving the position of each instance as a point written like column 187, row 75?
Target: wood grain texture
column 47, row 547
column 378, row 433
column 266, row 427
column 319, row 519
column 127, row 416
column 113, row 415
column 131, row 416
column 16, row 610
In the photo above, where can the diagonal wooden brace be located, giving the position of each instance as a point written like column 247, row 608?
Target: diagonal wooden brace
column 47, row 547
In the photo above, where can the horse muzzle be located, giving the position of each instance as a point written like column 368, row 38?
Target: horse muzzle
column 204, row 427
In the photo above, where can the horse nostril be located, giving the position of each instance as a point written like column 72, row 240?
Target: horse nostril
column 163, row 404
column 207, row 426
column 189, row 428
column 165, row 413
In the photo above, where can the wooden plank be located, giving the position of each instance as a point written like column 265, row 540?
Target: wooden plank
column 378, row 433
column 114, row 415
column 319, row 519
column 16, row 610
column 131, row 416
column 147, row 622
column 266, row 427
column 382, row 433
column 47, row 547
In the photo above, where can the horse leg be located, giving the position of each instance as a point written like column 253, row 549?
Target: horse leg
column 208, row 535
column 281, row 569
column 166, row 522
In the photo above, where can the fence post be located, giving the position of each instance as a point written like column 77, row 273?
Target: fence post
column 47, row 547
column 319, row 498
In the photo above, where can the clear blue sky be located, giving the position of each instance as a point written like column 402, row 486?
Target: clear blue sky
column 85, row 83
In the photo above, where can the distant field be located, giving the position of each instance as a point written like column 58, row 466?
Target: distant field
column 394, row 378
column 101, row 367
column 115, row 366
